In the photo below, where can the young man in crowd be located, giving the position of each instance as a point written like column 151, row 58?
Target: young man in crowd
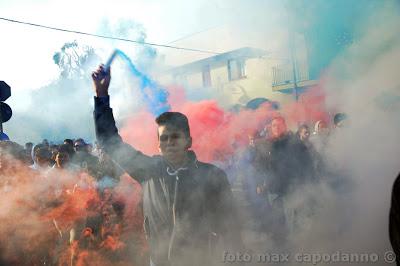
column 62, row 159
column 339, row 120
column 83, row 158
column 287, row 165
column 41, row 157
column 303, row 134
column 188, row 204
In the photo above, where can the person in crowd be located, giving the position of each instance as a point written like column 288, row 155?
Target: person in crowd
column 45, row 143
column 70, row 145
column 27, row 158
column 53, row 150
column 62, row 160
column 277, row 157
column 28, row 146
column 41, row 157
column 321, row 128
column 253, row 184
column 339, row 120
column 303, row 133
column 187, row 204
column 320, row 136
column 394, row 219
column 9, row 151
column 83, row 158
column 287, row 165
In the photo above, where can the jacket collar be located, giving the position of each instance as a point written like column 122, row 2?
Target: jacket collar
column 192, row 162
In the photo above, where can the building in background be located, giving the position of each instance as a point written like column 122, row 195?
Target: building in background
column 234, row 77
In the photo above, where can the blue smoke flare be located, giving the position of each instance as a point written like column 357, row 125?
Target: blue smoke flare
column 155, row 96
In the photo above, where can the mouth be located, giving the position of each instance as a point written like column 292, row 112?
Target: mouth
column 170, row 150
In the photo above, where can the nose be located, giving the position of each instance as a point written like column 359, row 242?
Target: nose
column 171, row 141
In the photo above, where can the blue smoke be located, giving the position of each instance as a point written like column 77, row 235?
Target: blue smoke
column 155, row 96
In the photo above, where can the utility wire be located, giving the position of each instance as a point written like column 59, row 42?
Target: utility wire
column 194, row 33
column 108, row 37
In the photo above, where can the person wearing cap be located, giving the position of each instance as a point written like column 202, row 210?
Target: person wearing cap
column 188, row 204
column 339, row 120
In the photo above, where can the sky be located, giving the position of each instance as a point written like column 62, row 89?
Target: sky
column 27, row 51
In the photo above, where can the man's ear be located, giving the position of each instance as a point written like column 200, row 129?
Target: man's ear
column 189, row 143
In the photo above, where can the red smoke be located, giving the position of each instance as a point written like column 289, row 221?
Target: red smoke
column 140, row 130
column 309, row 108
column 39, row 209
column 216, row 133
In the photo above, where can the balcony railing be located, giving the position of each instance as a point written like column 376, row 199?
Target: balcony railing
column 283, row 74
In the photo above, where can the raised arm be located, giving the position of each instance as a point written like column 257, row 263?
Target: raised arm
column 135, row 163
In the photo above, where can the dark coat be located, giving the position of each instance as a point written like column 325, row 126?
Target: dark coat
column 394, row 219
column 185, row 210
column 286, row 162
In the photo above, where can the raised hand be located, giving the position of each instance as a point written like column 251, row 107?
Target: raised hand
column 101, row 81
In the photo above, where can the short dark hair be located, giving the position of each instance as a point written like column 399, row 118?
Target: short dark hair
column 339, row 117
column 80, row 140
column 43, row 153
column 69, row 141
column 64, row 148
column 174, row 119
column 302, row 126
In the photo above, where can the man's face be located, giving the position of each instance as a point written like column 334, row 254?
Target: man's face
column 61, row 159
column 173, row 143
column 340, row 124
column 43, row 162
column 278, row 127
column 322, row 128
column 79, row 146
column 304, row 134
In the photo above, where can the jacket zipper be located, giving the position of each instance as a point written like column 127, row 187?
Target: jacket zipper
column 171, row 240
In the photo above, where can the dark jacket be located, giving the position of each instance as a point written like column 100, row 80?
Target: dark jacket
column 394, row 219
column 287, row 162
column 185, row 210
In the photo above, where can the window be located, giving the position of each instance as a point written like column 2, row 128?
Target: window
column 206, row 76
column 236, row 69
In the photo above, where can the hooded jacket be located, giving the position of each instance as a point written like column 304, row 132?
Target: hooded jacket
column 185, row 210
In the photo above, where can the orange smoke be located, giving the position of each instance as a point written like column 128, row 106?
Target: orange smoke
column 47, row 217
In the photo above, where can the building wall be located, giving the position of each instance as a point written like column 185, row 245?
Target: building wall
column 256, row 83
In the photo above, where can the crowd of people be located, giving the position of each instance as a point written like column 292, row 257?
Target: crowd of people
column 89, row 208
column 187, row 206
column 275, row 164
column 72, row 155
